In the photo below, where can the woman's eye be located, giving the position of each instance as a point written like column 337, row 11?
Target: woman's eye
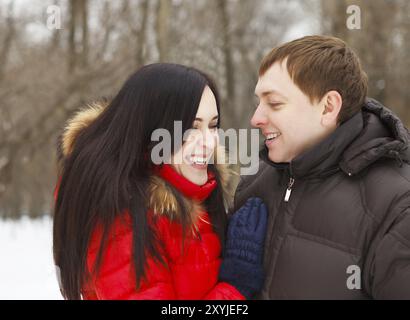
column 214, row 127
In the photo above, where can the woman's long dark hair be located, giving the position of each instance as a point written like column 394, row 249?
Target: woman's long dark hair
column 108, row 170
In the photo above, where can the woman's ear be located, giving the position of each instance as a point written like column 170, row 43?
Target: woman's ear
column 332, row 104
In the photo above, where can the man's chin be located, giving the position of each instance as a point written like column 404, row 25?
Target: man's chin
column 276, row 158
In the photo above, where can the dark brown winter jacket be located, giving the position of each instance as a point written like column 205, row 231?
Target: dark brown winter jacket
column 344, row 232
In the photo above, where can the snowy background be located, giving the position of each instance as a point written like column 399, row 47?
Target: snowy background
column 26, row 265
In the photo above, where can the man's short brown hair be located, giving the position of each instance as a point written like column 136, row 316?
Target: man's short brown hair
column 318, row 64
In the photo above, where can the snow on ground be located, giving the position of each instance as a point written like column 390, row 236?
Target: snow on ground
column 26, row 260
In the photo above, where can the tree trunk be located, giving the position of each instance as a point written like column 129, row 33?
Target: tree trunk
column 163, row 13
column 141, row 36
column 84, row 39
column 72, row 50
column 229, row 99
column 5, row 48
column 78, row 25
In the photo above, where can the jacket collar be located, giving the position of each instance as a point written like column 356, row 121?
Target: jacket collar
column 383, row 136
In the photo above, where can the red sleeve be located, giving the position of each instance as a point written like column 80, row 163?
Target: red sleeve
column 116, row 278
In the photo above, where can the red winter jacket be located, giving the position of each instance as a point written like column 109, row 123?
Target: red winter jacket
column 191, row 274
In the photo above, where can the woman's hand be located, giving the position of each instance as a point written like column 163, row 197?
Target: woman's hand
column 243, row 257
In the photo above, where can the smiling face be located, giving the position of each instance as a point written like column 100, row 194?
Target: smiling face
column 200, row 143
column 286, row 117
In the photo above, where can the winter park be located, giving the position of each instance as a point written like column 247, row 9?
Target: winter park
column 204, row 150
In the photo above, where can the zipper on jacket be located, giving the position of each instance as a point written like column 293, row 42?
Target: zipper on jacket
column 289, row 189
column 277, row 231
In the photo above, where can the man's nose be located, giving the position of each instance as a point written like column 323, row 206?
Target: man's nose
column 259, row 117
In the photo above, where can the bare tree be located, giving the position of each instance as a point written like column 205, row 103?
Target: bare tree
column 222, row 8
column 162, row 22
column 7, row 42
column 78, row 26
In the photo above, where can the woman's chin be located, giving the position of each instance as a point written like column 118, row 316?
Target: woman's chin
column 197, row 174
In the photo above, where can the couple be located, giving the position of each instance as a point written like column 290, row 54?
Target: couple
column 327, row 215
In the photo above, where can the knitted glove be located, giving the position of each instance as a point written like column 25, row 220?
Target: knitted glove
column 243, row 256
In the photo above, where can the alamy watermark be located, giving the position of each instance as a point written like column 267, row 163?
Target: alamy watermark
column 354, row 281
column 237, row 146
column 354, row 20
column 53, row 17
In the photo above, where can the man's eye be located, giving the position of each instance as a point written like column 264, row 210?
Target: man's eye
column 275, row 105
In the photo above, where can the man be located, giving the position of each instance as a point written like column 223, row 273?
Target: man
column 335, row 175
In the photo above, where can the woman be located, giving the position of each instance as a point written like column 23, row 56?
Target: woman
column 125, row 228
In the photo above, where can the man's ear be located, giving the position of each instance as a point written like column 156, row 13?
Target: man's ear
column 332, row 102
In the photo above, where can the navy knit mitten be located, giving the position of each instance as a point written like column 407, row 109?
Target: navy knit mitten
column 243, row 256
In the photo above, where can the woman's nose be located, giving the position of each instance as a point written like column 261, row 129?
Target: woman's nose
column 208, row 141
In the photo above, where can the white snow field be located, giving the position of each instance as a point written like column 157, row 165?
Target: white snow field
column 26, row 260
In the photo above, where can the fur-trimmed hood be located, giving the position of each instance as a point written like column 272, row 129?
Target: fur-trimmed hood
column 161, row 198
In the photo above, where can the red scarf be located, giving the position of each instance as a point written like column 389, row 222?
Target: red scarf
column 186, row 187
